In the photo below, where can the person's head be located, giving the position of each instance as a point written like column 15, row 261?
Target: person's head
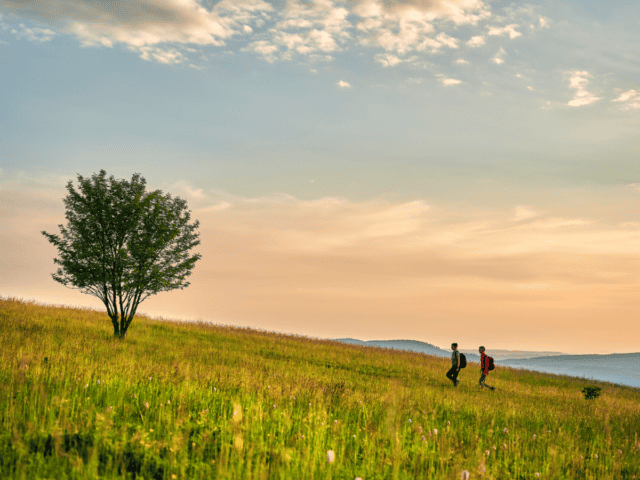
column 481, row 349
column 454, row 346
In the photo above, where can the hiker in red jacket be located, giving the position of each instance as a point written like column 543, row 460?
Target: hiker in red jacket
column 484, row 368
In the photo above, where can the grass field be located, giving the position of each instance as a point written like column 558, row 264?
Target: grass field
column 179, row 400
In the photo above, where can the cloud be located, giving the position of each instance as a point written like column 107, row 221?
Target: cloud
column 632, row 99
column 462, row 61
column 578, row 82
column 343, row 84
column 509, row 29
column 498, row 57
column 34, row 35
column 166, row 56
column 523, row 212
column 450, row 81
column 403, row 27
column 387, row 59
column 144, row 23
column 264, row 48
column 476, row 41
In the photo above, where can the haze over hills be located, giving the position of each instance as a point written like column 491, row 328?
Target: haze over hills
column 620, row 368
column 513, row 354
column 410, row 345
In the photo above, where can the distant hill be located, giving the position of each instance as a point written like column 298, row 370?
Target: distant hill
column 622, row 368
column 409, row 345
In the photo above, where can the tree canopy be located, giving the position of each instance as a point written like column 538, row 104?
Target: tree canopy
column 123, row 244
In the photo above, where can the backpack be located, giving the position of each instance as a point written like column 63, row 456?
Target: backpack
column 463, row 361
column 491, row 365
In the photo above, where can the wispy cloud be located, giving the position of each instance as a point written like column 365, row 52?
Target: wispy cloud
column 631, row 99
column 476, row 41
column 509, row 30
column 498, row 56
column 34, row 35
column 450, row 81
column 524, row 212
column 578, row 82
column 343, row 84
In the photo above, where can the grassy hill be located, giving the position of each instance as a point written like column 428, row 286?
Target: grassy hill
column 180, row 400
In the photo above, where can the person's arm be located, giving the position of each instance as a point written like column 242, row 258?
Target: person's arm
column 457, row 360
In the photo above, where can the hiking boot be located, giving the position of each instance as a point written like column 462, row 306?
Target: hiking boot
column 456, row 384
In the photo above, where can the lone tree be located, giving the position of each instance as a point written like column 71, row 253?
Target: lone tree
column 122, row 244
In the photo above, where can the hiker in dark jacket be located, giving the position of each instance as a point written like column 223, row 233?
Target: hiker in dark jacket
column 484, row 368
column 452, row 374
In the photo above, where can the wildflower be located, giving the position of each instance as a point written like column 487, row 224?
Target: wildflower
column 215, row 389
column 504, row 446
column 534, row 436
column 321, row 423
column 494, row 447
column 596, row 455
column 465, row 475
column 168, row 402
column 86, row 386
column 162, row 405
column 358, row 478
column 335, row 421
column 537, row 475
column 149, row 378
column 424, row 439
column 420, row 429
column 506, row 430
column 135, row 396
column 486, row 452
column 409, row 420
column 435, row 431
column 274, row 407
column 354, row 436
column 98, row 382
column 448, row 423
column 331, row 456
column 146, row 404
column 482, row 469
column 620, row 451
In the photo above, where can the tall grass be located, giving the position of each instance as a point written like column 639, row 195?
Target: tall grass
column 181, row 400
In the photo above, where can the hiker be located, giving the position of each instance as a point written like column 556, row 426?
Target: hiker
column 452, row 374
column 484, row 368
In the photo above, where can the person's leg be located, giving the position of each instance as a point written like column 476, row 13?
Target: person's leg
column 455, row 376
column 451, row 375
column 483, row 383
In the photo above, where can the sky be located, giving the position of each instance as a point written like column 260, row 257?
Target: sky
column 444, row 171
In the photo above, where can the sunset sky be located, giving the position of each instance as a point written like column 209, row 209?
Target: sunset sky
column 444, row 171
